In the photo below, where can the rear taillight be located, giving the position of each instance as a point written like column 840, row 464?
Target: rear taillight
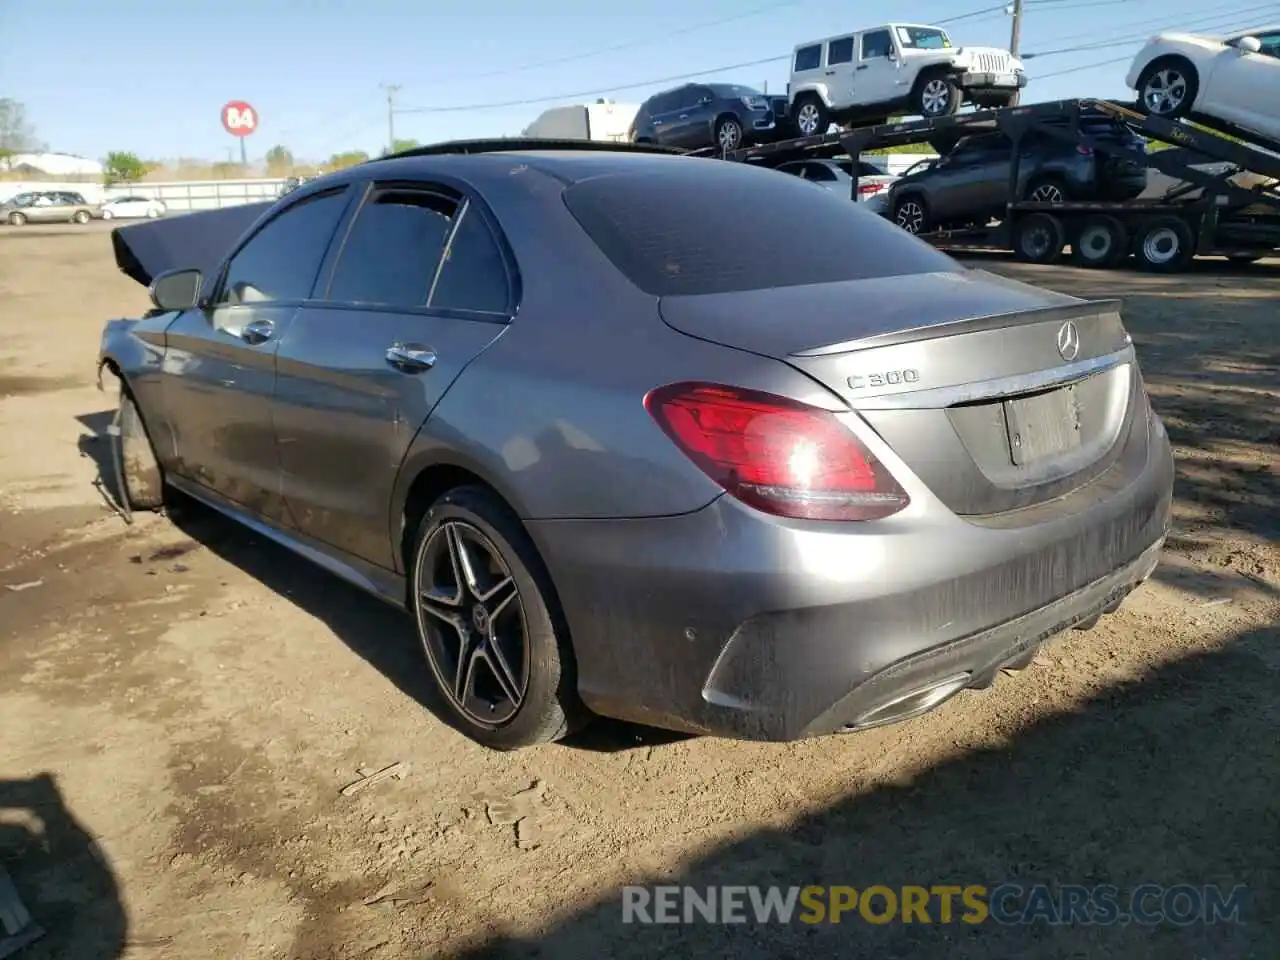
column 778, row 455
column 870, row 189
column 1084, row 151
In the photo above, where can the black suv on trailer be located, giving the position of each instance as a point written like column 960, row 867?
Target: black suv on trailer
column 970, row 183
column 699, row 115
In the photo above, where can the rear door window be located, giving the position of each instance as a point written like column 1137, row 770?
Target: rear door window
column 685, row 230
column 840, row 51
column 473, row 276
column 393, row 248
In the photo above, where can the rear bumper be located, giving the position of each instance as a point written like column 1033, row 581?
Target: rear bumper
column 731, row 623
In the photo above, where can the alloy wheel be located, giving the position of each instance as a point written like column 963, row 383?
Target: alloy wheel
column 1047, row 193
column 910, row 216
column 1165, row 91
column 807, row 120
column 935, row 98
column 730, row 136
column 472, row 623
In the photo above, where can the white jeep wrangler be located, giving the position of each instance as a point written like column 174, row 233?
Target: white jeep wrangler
column 867, row 76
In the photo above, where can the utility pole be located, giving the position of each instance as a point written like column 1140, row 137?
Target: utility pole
column 1015, row 38
column 392, row 89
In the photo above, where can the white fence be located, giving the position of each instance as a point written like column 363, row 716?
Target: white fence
column 181, row 196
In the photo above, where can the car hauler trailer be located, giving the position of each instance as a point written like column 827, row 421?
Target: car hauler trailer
column 1164, row 234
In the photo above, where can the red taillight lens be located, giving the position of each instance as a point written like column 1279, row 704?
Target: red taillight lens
column 870, row 189
column 1084, row 151
column 777, row 455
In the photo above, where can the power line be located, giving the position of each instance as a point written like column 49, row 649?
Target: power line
column 1162, row 21
column 1084, row 66
column 674, row 78
column 1106, row 44
column 631, row 44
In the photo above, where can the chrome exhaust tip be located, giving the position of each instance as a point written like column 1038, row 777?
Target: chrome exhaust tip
column 911, row 704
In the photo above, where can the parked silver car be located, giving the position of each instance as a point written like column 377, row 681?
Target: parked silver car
column 48, row 206
column 620, row 448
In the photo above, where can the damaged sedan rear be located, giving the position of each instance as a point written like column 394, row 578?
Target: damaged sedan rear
column 622, row 444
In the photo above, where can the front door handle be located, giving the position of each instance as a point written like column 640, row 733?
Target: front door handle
column 863, row 66
column 257, row 331
column 411, row 357
column 684, row 116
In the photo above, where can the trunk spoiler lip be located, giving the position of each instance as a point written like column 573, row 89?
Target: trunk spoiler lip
column 1029, row 315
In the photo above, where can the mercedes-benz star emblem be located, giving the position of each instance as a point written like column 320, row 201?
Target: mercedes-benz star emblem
column 1068, row 341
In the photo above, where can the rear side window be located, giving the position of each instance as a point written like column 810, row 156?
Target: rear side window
column 474, row 274
column 687, row 230
column 840, row 51
column 281, row 260
column 390, row 255
column 808, row 58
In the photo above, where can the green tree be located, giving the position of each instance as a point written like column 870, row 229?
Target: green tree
column 16, row 134
column 279, row 161
column 350, row 158
column 399, row 146
column 123, row 167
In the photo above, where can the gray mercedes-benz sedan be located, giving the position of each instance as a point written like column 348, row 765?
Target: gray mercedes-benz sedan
column 673, row 440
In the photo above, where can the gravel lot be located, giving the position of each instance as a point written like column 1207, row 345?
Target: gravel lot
column 180, row 705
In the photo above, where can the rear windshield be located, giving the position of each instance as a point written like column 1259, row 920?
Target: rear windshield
column 715, row 226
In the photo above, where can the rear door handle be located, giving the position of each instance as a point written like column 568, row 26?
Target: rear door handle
column 411, row 357
column 684, row 116
column 832, row 73
column 257, row 331
column 862, row 66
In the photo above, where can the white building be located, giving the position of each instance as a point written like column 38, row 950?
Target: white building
column 54, row 165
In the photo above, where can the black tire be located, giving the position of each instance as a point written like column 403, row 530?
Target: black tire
column 1047, row 190
column 17, row 219
column 729, row 135
column 1099, row 242
column 81, row 217
column 1163, row 72
column 911, row 213
column 1164, row 245
column 548, row 707
column 811, row 117
column 1039, row 238
column 141, row 479
column 936, row 95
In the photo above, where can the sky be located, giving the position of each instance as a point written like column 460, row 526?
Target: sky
column 151, row 76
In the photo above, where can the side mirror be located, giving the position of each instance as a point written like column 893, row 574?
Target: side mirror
column 176, row 290
column 1249, row 45
column 891, row 55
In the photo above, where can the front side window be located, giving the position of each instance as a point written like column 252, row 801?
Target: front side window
column 1270, row 43
column 281, row 260
column 876, row 45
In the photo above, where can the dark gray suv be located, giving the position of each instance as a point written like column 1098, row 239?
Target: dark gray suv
column 699, row 115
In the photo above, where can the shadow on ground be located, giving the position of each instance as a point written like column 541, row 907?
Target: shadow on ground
column 1195, row 742
column 60, row 874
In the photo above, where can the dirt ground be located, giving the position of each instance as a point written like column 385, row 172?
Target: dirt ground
column 181, row 704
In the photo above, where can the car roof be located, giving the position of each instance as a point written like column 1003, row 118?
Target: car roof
column 566, row 165
column 879, row 26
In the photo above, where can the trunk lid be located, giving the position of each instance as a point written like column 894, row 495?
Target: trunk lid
column 997, row 395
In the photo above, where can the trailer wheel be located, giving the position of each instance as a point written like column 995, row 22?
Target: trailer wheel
column 1164, row 245
column 1039, row 238
column 1099, row 242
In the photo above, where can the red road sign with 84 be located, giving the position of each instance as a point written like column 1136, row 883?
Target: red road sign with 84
column 239, row 119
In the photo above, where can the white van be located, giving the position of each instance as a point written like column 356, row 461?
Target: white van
column 868, row 75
